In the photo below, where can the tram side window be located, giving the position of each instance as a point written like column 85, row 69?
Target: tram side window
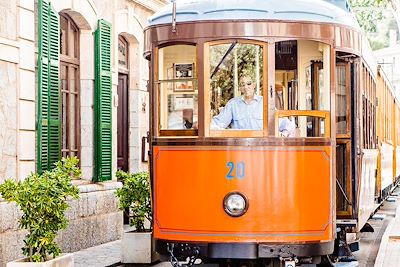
column 342, row 95
column 397, row 119
column 178, row 92
column 368, row 107
column 236, row 86
column 302, row 88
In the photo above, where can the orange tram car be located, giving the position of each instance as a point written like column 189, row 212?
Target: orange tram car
column 273, row 134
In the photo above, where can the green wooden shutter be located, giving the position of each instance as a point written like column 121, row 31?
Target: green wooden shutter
column 54, row 88
column 48, row 87
column 102, row 103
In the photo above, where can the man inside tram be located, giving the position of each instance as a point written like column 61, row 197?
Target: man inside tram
column 246, row 112
column 242, row 112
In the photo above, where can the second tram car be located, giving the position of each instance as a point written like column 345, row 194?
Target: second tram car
column 264, row 138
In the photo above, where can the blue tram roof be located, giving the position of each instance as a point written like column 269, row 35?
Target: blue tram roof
column 328, row 11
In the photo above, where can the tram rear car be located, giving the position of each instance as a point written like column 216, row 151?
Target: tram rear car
column 263, row 193
column 388, row 137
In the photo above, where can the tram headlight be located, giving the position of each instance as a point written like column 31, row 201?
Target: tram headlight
column 235, row 204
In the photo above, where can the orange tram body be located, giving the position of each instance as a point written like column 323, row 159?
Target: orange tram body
column 266, row 194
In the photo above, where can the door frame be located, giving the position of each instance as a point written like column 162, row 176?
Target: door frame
column 346, row 140
column 123, row 122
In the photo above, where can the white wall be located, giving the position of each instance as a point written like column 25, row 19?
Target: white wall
column 17, row 89
column 389, row 58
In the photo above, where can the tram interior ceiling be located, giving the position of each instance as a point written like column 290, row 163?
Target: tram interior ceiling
column 279, row 114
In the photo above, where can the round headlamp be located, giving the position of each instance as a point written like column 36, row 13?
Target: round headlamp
column 235, row 204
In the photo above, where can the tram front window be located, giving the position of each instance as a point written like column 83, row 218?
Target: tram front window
column 178, row 93
column 236, row 86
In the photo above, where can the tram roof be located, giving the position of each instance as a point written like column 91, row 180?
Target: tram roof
column 293, row 10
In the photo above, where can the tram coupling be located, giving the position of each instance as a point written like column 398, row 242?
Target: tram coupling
column 289, row 262
column 191, row 252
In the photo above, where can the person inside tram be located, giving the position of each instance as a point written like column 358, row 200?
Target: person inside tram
column 287, row 126
column 278, row 96
column 242, row 112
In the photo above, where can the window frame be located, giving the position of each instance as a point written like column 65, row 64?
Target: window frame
column 348, row 211
column 71, row 63
column 346, row 65
column 206, row 93
column 158, row 132
column 121, row 68
column 368, row 104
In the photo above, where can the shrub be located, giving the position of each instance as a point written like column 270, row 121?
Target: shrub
column 42, row 199
column 134, row 197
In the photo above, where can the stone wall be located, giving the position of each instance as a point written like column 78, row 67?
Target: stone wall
column 8, row 120
column 94, row 218
column 11, row 239
column 8, row 19
column 17, row 89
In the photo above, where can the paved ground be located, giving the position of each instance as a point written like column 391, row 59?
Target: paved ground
column 370, row 243
column 99, row 256
column 389, row 250
column 106, row 255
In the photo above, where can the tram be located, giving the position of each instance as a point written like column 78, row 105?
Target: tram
column 229, row 183
column 388, row 137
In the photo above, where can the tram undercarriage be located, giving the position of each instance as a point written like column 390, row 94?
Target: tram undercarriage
column 228, row 254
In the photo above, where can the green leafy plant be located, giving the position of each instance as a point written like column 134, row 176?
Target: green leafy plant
column 369, row 12
column 134, row 197
column 42, row 199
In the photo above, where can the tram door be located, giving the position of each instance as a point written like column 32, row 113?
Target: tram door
column 343, row 140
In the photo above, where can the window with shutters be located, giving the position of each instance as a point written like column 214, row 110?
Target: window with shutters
column 69, row 72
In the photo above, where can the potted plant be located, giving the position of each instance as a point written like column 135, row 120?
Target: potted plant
column 42, row 199
column 134, row 198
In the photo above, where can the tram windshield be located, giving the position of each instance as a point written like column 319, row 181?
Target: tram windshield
column 244, row 93
column 236, row 86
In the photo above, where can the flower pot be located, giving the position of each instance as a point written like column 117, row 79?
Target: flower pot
column 138, row 247
column 64, row 260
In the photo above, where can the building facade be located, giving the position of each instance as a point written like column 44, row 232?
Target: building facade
column 389, row 59
column 73, row 82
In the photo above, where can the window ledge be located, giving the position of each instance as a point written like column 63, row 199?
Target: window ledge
column 89, row 186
